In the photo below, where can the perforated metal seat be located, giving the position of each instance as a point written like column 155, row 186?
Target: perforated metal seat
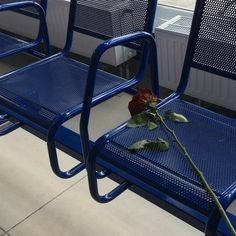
column 208, row 137
column 51, row 88
column 10, row 45
column 47, row 93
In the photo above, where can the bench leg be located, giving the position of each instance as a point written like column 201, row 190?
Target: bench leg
column 213, row 222
column 93, row 184
column 52, row 151
column 215, row 216
column 6, row 126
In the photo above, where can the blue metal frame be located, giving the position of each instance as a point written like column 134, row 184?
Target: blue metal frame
column 50, row 130
column 42, row 32
column 215, row 217
column 99, row 51
column 9, row 128
column 43, row 4
column 88, row 97
column 91, row 154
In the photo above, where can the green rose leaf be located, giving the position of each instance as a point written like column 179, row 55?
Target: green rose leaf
column 151, row 125
column 170, row 115
column 159, row 144
column 152, row 105
column 162, row 145
column 138, row 120
column 138, row 145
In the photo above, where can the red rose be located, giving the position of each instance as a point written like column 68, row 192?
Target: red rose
column 136, row 107
column 139, row 103
column 145, row 94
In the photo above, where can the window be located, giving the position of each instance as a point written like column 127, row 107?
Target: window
column 186, row 4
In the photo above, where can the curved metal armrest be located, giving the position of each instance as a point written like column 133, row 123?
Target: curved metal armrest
column 90, row 156
column 42, row 17
column 149, row 45
column 17, row 5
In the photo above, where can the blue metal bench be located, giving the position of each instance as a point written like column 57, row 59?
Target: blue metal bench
column 9, row 44
column 47, row 93
column 210, row 138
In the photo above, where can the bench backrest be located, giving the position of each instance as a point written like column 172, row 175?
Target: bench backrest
column 111, row 18
column 212, row 41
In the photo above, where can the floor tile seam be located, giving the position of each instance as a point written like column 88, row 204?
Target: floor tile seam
column 6, row 232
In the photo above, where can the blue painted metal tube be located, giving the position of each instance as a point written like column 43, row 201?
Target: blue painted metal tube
column 92, row 177
column 17, row 50
column 190, row 47
column 43, row 3
column 70, row 27
column 3, row 117
column 35, row 64
column 151, row 15
column 23, row 120
column 87, row 102
column 43, row 30
column 9, row 128
column 215, row 216
column 53, row 152
column 37, row 53
column 102, row 174
column 53, row 158
column 50, row 142
column 90, row 158
column 55, row 165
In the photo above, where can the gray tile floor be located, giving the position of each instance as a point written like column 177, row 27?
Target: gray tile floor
column 35, row 202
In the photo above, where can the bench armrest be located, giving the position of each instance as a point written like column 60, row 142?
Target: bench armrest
column 149, row 48
column 43, row 30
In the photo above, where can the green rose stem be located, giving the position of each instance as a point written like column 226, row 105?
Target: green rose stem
column 200, row 176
